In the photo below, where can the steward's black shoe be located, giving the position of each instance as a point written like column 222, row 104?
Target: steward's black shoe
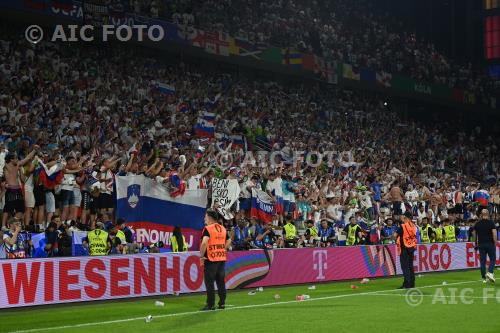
column 208, row 308
column 222, row 306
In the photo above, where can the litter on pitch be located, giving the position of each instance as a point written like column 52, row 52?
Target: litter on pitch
column 260, row 289
column 159, row 303
column 444, row 283
column 251, row 293
column 302, row 297
column 312, row 287
column 277, row 296
column 354, row 286
column 148, row 319
column 365, row 281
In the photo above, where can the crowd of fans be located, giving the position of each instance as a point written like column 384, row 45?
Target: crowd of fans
column 72, row 118
column 353, row 32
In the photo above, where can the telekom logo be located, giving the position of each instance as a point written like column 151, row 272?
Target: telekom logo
column 320, row 258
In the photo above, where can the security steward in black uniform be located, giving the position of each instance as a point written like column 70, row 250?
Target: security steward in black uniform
column 213, row 254
column 406, row 240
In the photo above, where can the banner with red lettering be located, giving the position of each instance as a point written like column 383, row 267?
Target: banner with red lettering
column 51, row 281
column 28, row 282
column 446, row 256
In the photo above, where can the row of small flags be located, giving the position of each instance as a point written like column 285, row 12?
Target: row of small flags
column 353, row 73
column 165, row 89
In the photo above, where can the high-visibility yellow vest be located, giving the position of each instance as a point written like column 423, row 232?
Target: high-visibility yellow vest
column 290, row 231
column 121, row 235
column 351, row 234
column 313, row 232
column 98, row 242
column 424, row 234
column 439, row 234
column 175, row 245
column 449, row 233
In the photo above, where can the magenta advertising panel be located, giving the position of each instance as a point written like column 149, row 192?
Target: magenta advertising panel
column 291, row 266
column 28, row 282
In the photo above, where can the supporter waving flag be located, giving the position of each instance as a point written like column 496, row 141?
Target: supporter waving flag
column 263, row 207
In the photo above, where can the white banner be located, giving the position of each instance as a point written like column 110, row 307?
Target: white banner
column 225, row 192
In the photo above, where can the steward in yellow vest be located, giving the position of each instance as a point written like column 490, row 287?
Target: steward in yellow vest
column 427, row 234
column 290, row 234
column 98, row 241
column 354, row 232
column 449, row 232
column 311, row 235
column 178, row 241
column 439, row 233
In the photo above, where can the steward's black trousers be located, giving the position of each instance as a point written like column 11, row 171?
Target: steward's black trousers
column 215, row 272
column 406, row 258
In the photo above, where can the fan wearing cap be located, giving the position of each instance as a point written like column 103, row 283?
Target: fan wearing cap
column 406, row 240
column 14, row 202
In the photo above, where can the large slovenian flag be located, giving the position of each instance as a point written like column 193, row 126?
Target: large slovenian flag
column 482, row 197
column 152, row 213
column 263, row 207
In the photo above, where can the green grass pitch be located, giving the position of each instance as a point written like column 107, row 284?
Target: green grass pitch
column 462, row 304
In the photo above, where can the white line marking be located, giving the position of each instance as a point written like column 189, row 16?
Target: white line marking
column 227, row 309
column 442, row 296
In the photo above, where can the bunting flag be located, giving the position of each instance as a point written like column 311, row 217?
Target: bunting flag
column 245, row 48
column 35, row 4
column 384, row 79
column 308, row 62
column 217, row 43
column 165, row 88
column 292, row 58
column 272, row 54
column 66, row 5
column 350, row 73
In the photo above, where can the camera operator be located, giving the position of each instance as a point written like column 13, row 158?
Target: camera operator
column 118, row 240
column 51, row 238
column 3, row 254
column 65, row 240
